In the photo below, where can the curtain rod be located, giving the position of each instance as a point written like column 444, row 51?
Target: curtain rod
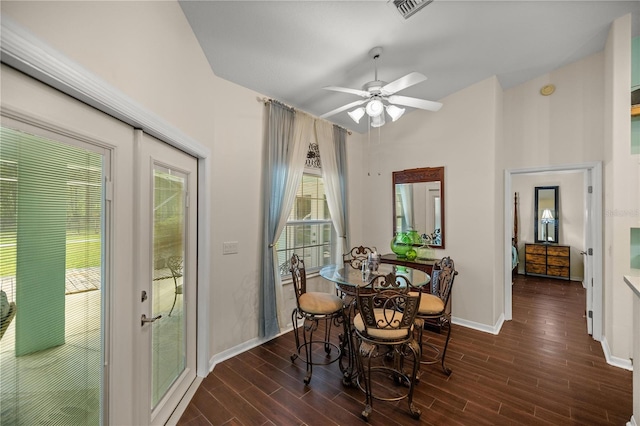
column 267, row 100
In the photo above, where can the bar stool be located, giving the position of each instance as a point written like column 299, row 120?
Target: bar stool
column 384, row 328
column 435, row 310
column 313, row 307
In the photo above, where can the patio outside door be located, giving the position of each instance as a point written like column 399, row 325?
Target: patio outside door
column 167, row 249
column 124, row 206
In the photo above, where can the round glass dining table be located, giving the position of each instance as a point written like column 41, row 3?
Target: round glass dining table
column 348, row 278
column 347, row 281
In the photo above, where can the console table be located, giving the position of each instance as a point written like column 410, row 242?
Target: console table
column 420, row 264
column 547, row 260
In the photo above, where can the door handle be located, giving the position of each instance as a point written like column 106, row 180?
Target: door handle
column 583, row 252
column 144, row 319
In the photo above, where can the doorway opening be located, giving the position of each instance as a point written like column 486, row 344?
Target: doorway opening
column 592, row 237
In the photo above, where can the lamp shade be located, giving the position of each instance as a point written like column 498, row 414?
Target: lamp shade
column 547, row 216
column 356, row 114
column 394, row 112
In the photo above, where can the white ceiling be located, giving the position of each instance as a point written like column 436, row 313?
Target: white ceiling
column 290, row 50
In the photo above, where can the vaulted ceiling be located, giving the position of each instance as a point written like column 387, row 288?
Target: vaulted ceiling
column 290, row 50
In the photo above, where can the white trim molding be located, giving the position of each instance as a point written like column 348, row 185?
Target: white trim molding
column 243, row 347
column 612, row 360
column 596, row 173
column 28, row 54
column 23, row 51
column 480, row 327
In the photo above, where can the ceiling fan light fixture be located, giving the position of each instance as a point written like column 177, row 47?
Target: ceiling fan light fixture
column 375, row 108
column 356, row 114
column 395, row 112
column 377, row 121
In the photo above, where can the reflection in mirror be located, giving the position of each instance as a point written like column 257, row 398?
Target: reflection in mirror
column 546, row 214
column 419, row 203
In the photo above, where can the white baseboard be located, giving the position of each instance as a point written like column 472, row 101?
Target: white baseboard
column 243, row 347
column 612, row 360
column 478, row 326
column 632, row 422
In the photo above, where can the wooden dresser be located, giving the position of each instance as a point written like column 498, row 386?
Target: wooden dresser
column 547, row 260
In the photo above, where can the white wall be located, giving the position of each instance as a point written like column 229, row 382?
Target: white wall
column 564, row 128
column 622, row 191
column 462, row 138
column 148, row 51
column 571, row 210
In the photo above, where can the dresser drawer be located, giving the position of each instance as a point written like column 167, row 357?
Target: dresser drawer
column 536, row 268
column 557, row 251
column 558, row 271
column 558, row 261
column 535, row 249
column 536, row 258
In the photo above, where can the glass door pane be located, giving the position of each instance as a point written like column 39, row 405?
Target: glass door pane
column 168, row 356
column 51, row 281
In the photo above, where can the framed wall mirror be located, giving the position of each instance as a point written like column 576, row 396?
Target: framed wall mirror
column 418, row 203
column 547, row 220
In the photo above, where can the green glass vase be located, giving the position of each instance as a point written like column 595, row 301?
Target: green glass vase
column 400, row 244
column 415, row 237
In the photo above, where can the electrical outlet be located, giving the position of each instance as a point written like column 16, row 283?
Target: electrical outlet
column 230, row 247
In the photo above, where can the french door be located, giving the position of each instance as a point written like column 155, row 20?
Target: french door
column 166, row 182
column 138, row 252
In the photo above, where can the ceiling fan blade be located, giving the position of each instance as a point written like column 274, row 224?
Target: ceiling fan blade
column 343, row 108
column 362, row 93
column 402, row 83
column 415, row 103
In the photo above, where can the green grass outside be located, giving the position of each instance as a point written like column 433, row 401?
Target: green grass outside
column 83, row 250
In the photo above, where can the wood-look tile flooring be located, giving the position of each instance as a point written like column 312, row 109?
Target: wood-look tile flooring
column 543, row 368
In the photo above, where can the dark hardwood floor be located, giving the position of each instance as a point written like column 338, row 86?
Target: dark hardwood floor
column 543, row 368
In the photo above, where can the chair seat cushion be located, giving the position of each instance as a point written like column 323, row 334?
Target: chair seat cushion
column 430, row 305
column 320, row 303
column 380, row 333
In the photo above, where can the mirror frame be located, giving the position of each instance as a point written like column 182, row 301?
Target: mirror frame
column 423, row 174
column 556, row 222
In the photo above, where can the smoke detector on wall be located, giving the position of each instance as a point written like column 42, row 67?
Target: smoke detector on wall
column 408, row 8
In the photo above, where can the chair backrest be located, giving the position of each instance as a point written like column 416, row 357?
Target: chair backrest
column 386, row 303
column 444, row 272
column 175, row 266
column 357, row 255
column 299, row 276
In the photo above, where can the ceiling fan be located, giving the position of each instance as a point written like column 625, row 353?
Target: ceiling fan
column 380, row 96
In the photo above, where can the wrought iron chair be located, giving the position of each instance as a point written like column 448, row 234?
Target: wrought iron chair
column 384, row 327
column 357, row 255
column 175, row 265
column 313, row 307
column 435, row 309
column 355, row 259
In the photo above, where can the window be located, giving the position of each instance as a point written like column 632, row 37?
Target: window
column 309, row 230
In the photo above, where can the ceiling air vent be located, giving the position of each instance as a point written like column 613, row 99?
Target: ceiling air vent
column 409, row 7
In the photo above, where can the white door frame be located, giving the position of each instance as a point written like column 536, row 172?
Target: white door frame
column 595, row 168
column 30, row 55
